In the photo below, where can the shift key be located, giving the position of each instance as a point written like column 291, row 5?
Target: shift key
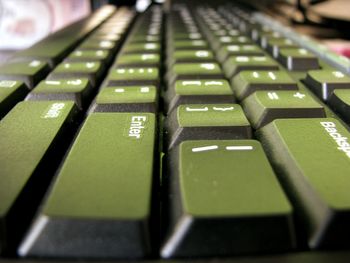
column 33, row 138
column 313, row 160
column 102, row 197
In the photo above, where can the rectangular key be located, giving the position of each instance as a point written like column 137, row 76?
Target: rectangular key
column 33, row 136
column 106, row 191
column 313, row 160
column 225, row 200
column 11, row 92
column 340, row 102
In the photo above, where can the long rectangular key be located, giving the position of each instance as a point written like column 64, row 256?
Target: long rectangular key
column 99, row 206
column 313, row 160
column 225, row 200
column 32, row 137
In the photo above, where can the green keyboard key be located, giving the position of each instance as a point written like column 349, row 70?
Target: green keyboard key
column 247, row 82
column 141, row 47
column 127, row 99
column 101, row 200
column 324, row 82
column 298, row 59
column 207, row 122
column 33, row 138
column 92, row 44
column 274, row 45
column 147, row 59
column 198, row 92
column 73, row 70
column 30, row 72
column 11, row 92
column 194, row 70
column 238, row 50
column 235, row 64
column 133, row 75
column 262, row 107
column 77, row 90
column 340, row 102
column 226, row 40
column 312, row 157
column 201, row 55
column 89, row 55
column 225, row 200
column 188, row 44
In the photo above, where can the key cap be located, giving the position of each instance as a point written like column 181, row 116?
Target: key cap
column 225, row 40
column 202, row 55
column 235, row 64
column 148, row 59
column 340, row 102
column 274, row 45
column 207, row 122
column 77, row 90
column 133, row 75
column 194, row 70
column 98, row 55
column 33, row 136
column 127, row 99
column 98, row 44
column 324, row 82
column 225, row 200
column 298, row 59
column 30, row 72
column 247, row 82
column 11, row 92
column 188, row 44
column 199, row 92
column 262, row 107
column 73, row 70
column 312, row 157
column 141, row 48
column 106, row 191
column 238, row 50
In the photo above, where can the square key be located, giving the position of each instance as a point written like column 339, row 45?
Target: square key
column 238, row 50
column 126, row 99
column 133, row 75
column 98, row 55
column 78, row 90
column 207, row 122
column 152, row 59
column 298, row 59
column 263, row 107
column 247, row 82
column 199, row 92
column 234, row 64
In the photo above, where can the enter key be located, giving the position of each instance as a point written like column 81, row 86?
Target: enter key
column 312, row 160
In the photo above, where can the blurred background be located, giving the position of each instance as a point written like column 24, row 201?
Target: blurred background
column 24, row 22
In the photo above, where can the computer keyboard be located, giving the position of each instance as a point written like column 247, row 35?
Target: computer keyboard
column 193, row 133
